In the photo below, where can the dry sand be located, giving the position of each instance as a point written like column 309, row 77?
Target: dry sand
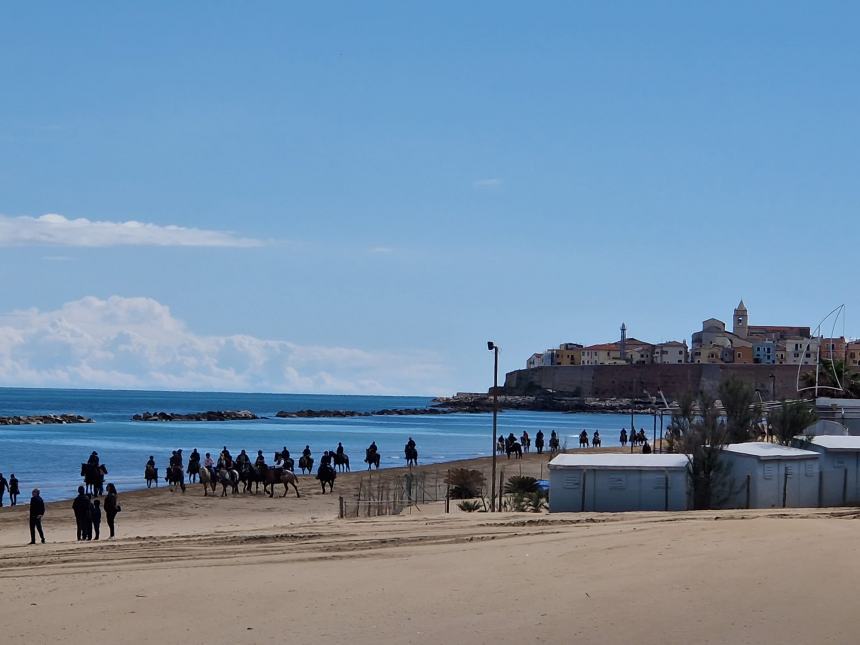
column 257, row 570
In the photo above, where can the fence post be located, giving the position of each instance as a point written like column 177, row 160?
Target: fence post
column 844, row 487
column 784, row 487
column 501, row 480
column 749, row 479
column 340, row 503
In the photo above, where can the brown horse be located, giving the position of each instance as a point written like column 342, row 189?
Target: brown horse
column 273, row 476
column 151, row 475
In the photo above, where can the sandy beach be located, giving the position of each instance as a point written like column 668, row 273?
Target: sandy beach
column 252, row 569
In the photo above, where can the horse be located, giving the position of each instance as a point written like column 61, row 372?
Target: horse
column 151, row 475
column 539, row 444
column 270, row 476
column 411, row 456
column 516, row 449
column 306, row 463
column 228, row 478
column 248, row 476
column 341, row 461
column 583, row 439
column 553, row 445
column 207, row 479
column 94, row 478
column 175, row 476
column 193, row 471
column 371, row 458
column 326, row 475
column 500, row 445
column 595, row 441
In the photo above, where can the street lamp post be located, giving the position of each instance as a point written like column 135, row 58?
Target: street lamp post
column 495, row 349
column 772, row 386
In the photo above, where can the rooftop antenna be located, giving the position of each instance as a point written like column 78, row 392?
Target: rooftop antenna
column 835, row 315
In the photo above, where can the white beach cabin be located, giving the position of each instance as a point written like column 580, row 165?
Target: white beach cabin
column 767, row 475
column 840, row 468
column 614, row 482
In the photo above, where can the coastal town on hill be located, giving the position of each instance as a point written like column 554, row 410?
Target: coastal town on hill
column 745, row 344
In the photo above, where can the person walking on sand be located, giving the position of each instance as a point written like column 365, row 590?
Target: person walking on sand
column 81, row 508
column 96, row 517
column 111, row 508
column 37, row 511
column 3, row 486
column 14, row 490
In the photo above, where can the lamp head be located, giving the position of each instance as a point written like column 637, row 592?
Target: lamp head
column 491, row 345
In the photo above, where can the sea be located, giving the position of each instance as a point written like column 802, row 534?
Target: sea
column 49, row 456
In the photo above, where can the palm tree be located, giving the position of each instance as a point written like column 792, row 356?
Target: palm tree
column 834, row 374
column 742, row 412
column 790, row 420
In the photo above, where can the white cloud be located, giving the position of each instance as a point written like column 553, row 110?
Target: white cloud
column 137, row 343
column 57, row 230
column 492, row 182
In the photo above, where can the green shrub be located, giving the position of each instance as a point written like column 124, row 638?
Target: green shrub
column 465, row 483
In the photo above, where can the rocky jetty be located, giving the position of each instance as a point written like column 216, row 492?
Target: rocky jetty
column 216, row 415
column 338, row 414
column 44, row 419
column 543, row 402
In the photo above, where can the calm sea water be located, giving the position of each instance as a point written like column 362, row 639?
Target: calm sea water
column 49, row 456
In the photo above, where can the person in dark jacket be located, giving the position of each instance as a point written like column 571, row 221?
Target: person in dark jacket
column 111, row 508
column 14, row 490
column 96, row 518
column 37, row 510
column 3, row 486
column 81, row 507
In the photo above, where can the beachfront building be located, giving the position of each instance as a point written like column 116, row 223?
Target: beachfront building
column 852, row 354
column 616, row 482
column 671, row 352
column 767, row 475
column 840, row 468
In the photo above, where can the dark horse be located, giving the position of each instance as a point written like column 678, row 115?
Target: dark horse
column 306, row 464
column 411, row 456
column 151, row 474
column 94, row 478
column 175, row 477
column 515, row 449
column 326, row 474
column 371, row 458
column 341, row 461
column 193, row 471
column 249, row 476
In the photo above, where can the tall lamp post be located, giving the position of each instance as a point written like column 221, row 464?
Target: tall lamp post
column 772, row 386
column 495, row 349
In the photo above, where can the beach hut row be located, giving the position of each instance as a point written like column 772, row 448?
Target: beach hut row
column 824, row 472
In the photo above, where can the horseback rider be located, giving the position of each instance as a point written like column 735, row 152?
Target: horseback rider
column 325, row 460
column 339, row 451
column 411, row 443
column 174, row 459
column 595, row 438
column 285, row 453
column 243, row 459
column 623, row 437
column 524, row 439
column 583, row 437
column 261, row 460
column 372, row 449
column 93, row 460
column 306, row 452
column 208, row 462
column 151, row 462
column 195, row 456
column 539, row 441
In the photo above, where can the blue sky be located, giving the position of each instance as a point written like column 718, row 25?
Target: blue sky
column 399, row 182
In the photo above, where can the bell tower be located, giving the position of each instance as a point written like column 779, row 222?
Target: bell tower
column 740, row 323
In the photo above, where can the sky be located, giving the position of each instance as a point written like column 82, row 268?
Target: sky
column 354, row 197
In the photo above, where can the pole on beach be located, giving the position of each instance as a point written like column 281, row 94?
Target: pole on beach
column 495, row 349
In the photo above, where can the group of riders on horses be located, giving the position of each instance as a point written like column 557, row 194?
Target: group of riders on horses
column 230, row 471
column 635, row 439
column 511, row 446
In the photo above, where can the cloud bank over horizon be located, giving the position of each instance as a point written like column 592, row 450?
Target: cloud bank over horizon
column 58, row 230
column 137, row 343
